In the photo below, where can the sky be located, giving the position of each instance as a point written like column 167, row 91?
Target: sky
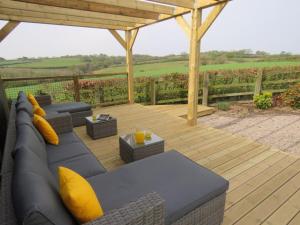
column 266, row 25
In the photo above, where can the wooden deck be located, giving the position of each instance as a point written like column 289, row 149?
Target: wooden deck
column 264, row 182
column 181, row 110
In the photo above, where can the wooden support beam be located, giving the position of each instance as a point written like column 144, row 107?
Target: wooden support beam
column 119, row 38
column 60, row 22
column 133, row 37
column 96, row 7
column 134, row 4
column 129, row 62
column 66, row 18
column 29, row 7
column 210, row 19
column 181, row 3
column 7, row 29
column 184, row 25
column 203, row 4
column 193, row 87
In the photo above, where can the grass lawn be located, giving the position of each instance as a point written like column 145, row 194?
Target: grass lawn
column 158, row 69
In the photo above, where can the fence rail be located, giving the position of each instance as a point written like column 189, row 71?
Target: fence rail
column 111, row 88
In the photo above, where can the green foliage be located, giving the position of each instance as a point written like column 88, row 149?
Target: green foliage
column 263, row 101
column 292, row 96
column 224, row 106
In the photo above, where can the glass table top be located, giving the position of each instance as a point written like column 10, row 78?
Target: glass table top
column 130, row 139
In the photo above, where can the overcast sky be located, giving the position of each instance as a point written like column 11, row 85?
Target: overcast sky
column 268, row 25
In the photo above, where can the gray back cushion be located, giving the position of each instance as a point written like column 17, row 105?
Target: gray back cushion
column 22, row 118
column 28, row 140
column 21, row 96
column 35, row 193
column 23, row 104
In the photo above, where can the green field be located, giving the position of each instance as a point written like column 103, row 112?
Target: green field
column 158, row 69
column 50, row 63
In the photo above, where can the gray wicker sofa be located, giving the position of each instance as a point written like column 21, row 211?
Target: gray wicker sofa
column 78, row 110
column 164, row 189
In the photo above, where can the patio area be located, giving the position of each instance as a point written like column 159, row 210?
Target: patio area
column 264, row 182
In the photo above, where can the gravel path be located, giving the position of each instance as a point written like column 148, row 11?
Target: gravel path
column 279, row 130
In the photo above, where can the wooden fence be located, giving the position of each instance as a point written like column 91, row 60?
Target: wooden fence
column 111, row 88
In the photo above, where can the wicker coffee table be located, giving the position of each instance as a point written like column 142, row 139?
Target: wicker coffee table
column 100, row 128
column 131, row 151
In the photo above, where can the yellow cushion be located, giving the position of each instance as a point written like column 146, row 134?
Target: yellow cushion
column 32, row 100
column 45, row 129
column 78, row 196
column 39, row 111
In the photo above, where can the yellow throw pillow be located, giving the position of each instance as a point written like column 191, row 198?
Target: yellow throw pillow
column 78, row 196
column 39, row 111
column 32, row 100
column 45, row 129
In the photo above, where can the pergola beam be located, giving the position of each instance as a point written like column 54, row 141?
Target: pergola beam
column 59, row 22
column 118, row 37
column 184, row 25
column 181, row 3
column 60, row 17
column 210, row 19
column 202, row 4
column 134, row 4
column 29, row 7
column 7, row 29
column 134, row 34
column 96, row 7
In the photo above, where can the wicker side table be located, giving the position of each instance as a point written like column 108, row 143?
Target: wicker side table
column 131, row 151
column 100, row 129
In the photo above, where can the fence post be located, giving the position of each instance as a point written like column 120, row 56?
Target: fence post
column 205, row 89
column 76, row 88
column 152, row 91
column 258, row 83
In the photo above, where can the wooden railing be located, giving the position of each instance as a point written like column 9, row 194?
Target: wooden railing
column 111, row 88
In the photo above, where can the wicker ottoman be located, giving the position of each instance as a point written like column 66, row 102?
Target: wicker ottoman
column 131, row 151
column 100, row 129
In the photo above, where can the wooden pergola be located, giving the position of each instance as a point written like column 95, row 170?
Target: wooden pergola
column 122, row 15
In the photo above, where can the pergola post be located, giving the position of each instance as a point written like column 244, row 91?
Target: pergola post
column 129, row 62
column 127, row 44
column 193, row 87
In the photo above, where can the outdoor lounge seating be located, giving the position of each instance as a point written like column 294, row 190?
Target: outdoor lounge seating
column 137, row 193
column 78, row 110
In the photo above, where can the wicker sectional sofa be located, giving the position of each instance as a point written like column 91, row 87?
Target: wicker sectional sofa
column 167, row 188
column 78, row 110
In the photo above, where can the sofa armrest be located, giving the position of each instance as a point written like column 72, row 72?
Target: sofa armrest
column 147, row 210
column 61, row 122
column 43, row 100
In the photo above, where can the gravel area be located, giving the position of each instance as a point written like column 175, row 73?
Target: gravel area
column 279, row 128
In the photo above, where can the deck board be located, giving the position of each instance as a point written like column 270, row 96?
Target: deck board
column 264, row 182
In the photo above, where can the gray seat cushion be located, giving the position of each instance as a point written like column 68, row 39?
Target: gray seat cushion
column 57, row 153
column 71, row 107
column 85, row 165
column 183, row 184
column 35, row 193
column 67, row 138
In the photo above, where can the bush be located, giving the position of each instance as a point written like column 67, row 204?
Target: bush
column 263, row 101
column 292, row 96
column 224, row 106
